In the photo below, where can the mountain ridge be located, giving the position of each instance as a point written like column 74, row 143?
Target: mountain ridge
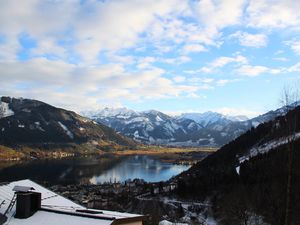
column 209, row 129
column 27, row 122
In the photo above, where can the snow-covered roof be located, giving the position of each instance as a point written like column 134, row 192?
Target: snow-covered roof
column 22, row 188
column 56, row 209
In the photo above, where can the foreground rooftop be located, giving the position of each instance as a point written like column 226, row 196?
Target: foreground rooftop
column 56, row 209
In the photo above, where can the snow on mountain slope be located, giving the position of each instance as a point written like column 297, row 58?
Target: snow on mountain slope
column 188, row 129
column 5, row 111
column 110, row 112
column 266, row 147
column 205, row 118
column 151, row 127
column 154, row 127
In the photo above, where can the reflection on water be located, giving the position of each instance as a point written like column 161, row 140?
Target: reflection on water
column 143, row 167
column 91, row 170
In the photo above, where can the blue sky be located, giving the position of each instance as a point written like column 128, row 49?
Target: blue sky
column 229, row 56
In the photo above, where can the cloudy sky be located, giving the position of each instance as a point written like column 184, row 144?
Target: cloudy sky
column 230, row 56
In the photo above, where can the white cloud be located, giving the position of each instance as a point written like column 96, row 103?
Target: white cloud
column 176, row 60
column 88, row 27
column 9, row 49
column 68, row 85
column 201, row 80
column 123, row 59
column 251, row 40
column 294, row 45
column 205, row 69
column 194, row 48
column 221, row 13
column 222, row 82
column 252, row 71
column 116, row 46
column 273, row 13
column 223, row 61
column 207, row 80
column 282, row 59
column 294, row 68
column 179, row 79
column 146, row 62
column 48, row 46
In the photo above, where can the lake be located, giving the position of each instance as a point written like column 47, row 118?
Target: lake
column 90, row 170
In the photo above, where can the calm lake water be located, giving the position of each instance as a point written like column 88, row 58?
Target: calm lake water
column 91, row 170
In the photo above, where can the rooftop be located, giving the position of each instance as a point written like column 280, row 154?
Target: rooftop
column 56, row 209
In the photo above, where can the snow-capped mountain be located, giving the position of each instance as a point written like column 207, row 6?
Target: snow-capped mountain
column 154, row 127
column 151, row 127
column 207, row 118
column 188, row 129
column 110, row 112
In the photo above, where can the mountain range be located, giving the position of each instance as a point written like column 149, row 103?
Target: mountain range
column 26, row 122
column 188, row 129
column 31, row 122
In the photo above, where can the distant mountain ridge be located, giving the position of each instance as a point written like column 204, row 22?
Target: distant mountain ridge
column 26, row 122
column 188, row 129
column 150, row 127
column 209, row 117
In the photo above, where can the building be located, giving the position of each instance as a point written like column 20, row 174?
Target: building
column 27, row 203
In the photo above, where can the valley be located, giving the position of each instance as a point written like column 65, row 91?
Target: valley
column 101, row 167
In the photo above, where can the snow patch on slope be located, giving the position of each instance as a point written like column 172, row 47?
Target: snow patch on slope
column 266, row 147
column 5, row 111
column 38, row 126
column 68, row 132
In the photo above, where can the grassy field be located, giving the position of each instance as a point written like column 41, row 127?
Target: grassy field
column 9, row 154
column 24, row 153
column 153, row 150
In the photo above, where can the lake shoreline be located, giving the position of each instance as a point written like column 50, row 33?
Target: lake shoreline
column 12, row 155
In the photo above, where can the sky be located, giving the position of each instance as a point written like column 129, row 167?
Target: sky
column 228, row 56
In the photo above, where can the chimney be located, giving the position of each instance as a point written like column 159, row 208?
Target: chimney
column 28, row 202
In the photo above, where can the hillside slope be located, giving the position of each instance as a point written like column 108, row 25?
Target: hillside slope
column 246, row 180
column 25, row 122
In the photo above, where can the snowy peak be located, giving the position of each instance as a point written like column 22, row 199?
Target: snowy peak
column 189, row 129
column 155, row 127
column 111, row 112
column 151, row 127
column 207, row 118
column 156, row 116
column 117, row 112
